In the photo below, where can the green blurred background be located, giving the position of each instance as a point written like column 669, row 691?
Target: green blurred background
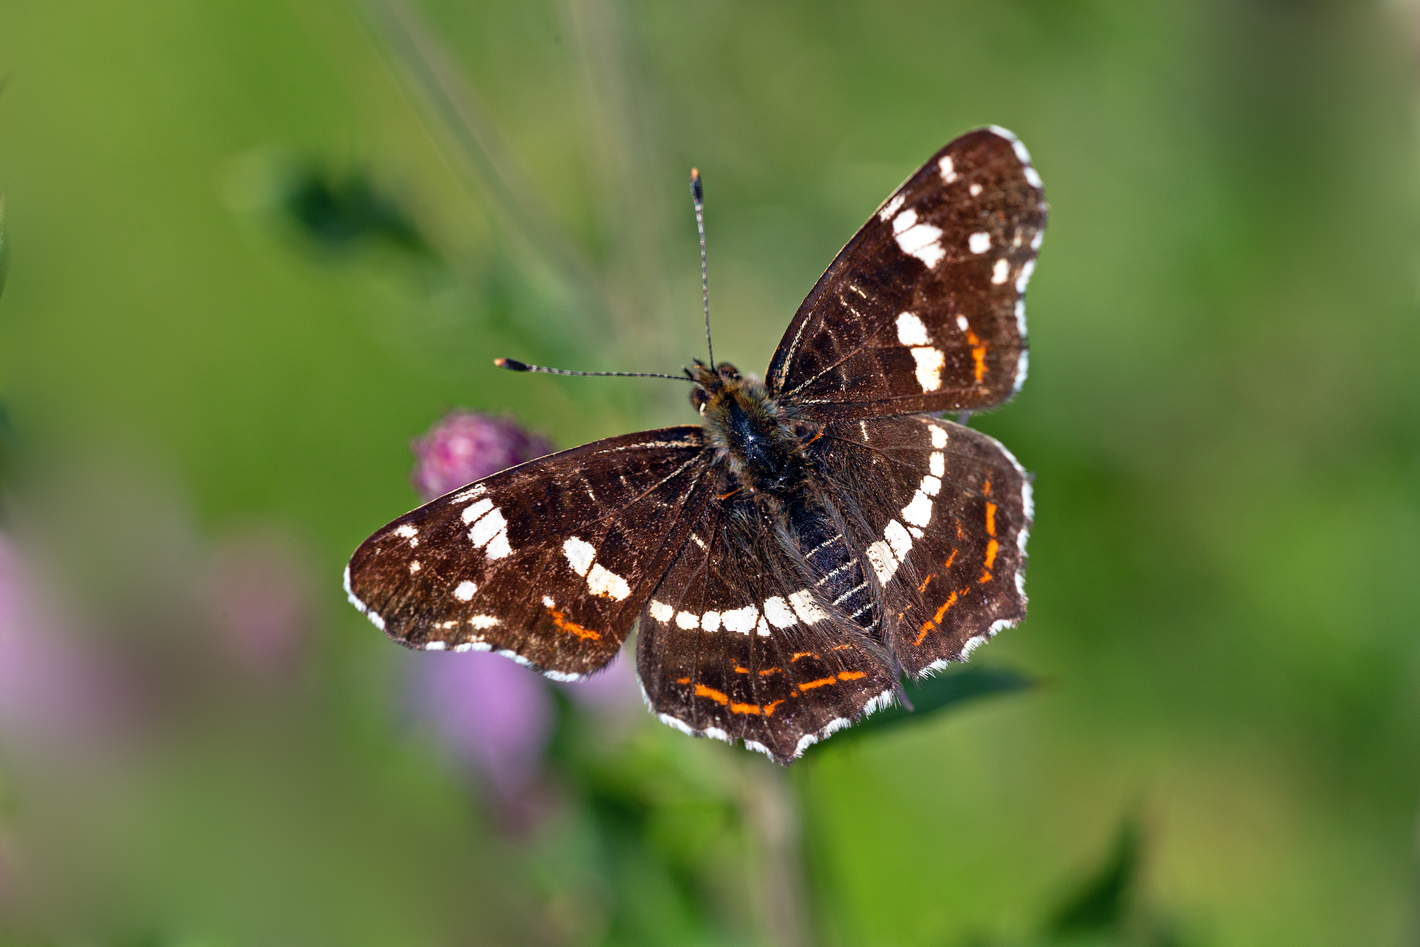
column 255, row 251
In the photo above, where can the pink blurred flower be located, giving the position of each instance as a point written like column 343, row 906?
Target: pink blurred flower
column 612, row 693
column 258, row 592
column 466, row 446
column 491, row 713
column 53, row 692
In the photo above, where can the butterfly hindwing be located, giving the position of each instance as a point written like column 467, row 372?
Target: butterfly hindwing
column 548, row 562
column 924, row 309
column 950, row 510
column 740, row 642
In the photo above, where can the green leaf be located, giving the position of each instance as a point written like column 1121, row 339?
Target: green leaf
column 1102, row 903
column 934, row 695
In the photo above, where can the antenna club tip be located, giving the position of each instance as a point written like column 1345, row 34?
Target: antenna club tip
column 511, row 364
column 697, row 190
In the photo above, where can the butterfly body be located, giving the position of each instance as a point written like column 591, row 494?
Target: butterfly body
column 755, row 439
column 815, row 536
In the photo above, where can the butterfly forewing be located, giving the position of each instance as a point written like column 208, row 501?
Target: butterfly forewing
column 950, row 509
column 924, row 310
column 547, row 561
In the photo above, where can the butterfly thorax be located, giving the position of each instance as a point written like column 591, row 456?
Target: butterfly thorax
column 757, row 442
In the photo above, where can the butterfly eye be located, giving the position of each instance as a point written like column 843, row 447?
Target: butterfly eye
column 698, row 399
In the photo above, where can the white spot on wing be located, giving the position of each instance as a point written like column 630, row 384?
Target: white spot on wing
column 487, row 527
column 660, row 611
column 499, row 547
column 939, row 436
column 1001, row 271
column 687, row 620
column 1021, row 317
column 1033, row 178
column 975, row 190
column 1021, row 366
column 929, row 367
column 435, row 645
column 484, row 622
column 931, row 485
column 898, row 539
column 472, row 492
column 406, row 531
column 607, row 584
column 474, row 510
column 890, row 208
column 464, row 591
column 579, row 555
column 936, row 463
column 882, row 560
column 949, row 173
column 911, row 331
column 740, row 619
column 979, row 242
column 710, row 621
column 779, row 613
column 916, row 239
column 804, row 606
column 919, row 511
column 962, row 324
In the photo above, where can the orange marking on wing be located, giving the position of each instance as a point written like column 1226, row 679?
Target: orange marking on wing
column 978, row 354
column 923, row 587
column 986, row 488
column 950, row 560
column 814, row 438
column 740, row 670
column 802, row 654
column 990, row 519
column 935, row 620
column 842, row 647
column 730, row 494
column 702, row 691
column 682, row 680
column 745, row 709
column 985, row 576
column 851, row 675
column 572, row 628
column 991, row 548
column 768, row 671
column 810, row 685
column 769, row 707
column 961, row 533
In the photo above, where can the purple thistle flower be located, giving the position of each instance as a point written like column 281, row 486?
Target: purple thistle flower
column 491, row 713
column 612, row 693
column 466, row 446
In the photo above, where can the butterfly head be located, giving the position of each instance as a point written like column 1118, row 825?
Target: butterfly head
column 713, row 382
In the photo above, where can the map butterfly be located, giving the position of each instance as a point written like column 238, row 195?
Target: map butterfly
column 818, row 535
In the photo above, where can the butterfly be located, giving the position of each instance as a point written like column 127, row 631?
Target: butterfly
column 817, row 536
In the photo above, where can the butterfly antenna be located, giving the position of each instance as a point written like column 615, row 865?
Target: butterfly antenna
column 513, row 365
column 697, row 194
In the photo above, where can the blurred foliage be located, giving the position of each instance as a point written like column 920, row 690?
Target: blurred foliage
column 1222, row 417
